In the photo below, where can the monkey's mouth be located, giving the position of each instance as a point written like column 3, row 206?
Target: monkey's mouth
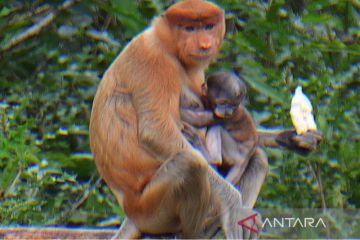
column 223, row 112
column 201, row 57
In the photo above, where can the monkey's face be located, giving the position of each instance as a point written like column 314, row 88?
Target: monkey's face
column 224, row 107
column 197, row 29
column 199, row 43
column 225, row 93
column 224, row 100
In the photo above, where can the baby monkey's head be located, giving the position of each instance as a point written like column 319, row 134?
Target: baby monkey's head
column 225, row 92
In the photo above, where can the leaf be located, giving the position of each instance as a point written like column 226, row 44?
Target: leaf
column 5, row 11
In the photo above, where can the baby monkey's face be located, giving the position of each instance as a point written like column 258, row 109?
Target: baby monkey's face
column 225, row 92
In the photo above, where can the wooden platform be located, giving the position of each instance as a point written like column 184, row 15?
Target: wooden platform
column 55, row 233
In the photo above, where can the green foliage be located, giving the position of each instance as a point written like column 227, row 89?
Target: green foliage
column 47, row 84
column 279, row 47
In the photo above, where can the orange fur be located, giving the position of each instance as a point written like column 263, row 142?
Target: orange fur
column 135, row 126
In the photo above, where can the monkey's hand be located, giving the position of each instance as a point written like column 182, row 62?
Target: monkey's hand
column 193, row 137
column 190, row 134
column 198, row 118
column 251, row 219
column 302, row 143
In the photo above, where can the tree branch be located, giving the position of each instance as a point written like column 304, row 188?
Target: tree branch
column 55, row 233
column 36, row 28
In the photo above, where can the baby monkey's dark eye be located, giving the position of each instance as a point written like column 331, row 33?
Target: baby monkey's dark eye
column 209, row 27
column 189, row 28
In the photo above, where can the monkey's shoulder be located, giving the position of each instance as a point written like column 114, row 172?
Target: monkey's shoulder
column 144, row 64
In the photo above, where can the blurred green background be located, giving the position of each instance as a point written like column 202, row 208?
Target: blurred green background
column 52, row 57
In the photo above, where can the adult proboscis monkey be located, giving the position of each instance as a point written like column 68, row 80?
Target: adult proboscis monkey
column 163, row 184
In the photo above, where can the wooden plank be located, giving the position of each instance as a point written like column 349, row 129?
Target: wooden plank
column 55, row 233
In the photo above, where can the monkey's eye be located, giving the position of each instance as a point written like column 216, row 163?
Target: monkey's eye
column 189, row 28
column 209, row 27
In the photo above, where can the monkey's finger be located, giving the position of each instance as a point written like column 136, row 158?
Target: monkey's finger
column 211, row 231
column 190, row 136
column 259, row 224
column 247, row 233
column 254, row 234
column 189, row 131
column 316, row 134
column 239, row 232
column 305, row 141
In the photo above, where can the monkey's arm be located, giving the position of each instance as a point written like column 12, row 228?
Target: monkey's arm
column 302, row 144
column 197, row 118
column 159, row 131
column 162, row 145
column 193, row 137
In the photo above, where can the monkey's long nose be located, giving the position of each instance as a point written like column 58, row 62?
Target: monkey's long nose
column 205, row 46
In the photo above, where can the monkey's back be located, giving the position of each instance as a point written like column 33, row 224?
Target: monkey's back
column 117, row 118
